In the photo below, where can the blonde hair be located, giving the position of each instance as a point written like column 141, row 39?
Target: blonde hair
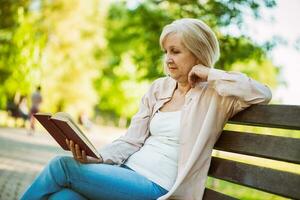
column 197, row 37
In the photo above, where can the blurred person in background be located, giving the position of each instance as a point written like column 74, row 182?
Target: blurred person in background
column 36, row 100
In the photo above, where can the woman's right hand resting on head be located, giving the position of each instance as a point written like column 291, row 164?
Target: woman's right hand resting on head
column 80, row 155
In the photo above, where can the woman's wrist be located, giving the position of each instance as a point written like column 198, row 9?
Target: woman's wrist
column 202, row 71
column 100, row 159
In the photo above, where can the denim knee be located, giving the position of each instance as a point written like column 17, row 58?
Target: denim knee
column 57, row 160
column 59, row 164
column 58, row 168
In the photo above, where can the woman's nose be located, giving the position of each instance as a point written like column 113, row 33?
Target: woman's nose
column 169, row 59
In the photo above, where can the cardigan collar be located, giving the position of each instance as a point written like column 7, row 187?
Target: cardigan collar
column 170, row 87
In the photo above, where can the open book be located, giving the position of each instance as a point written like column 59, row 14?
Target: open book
column 61, row 126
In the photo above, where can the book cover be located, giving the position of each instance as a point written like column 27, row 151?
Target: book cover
column 52, row 129
column 60, row 126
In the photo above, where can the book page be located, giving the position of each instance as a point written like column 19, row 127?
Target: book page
column 63, row 115
column 68, row 119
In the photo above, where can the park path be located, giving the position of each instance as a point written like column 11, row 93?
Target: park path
column 22, row 157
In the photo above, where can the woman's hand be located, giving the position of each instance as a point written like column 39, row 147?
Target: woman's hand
column 80, row 155
column 198, row 73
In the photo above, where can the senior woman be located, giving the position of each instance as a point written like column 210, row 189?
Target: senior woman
column 166, row 151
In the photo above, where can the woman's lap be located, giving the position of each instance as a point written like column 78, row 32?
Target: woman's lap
column 103, row 181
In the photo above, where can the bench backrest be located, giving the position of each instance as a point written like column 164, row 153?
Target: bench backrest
column 286, row 149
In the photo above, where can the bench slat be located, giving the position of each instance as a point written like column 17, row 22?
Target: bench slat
column 266, row 146
column 277, row 182
column 274, row 116
column 210, row 194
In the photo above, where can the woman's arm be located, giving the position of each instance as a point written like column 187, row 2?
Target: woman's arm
column 245, row 90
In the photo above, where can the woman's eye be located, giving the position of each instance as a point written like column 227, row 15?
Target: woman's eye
column 171, row 51
column 175, row 51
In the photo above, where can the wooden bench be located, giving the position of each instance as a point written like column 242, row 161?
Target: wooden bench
column 282, row 183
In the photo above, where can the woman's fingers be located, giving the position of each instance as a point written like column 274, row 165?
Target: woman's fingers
column 68, row 143
column 190, row 78
column 83, row 155
column 78, row 151
column 80, row 155
column 72, row 148
column 193, row 79
column 197, row 74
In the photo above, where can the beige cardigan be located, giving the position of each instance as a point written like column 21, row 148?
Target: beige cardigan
column 207, row 108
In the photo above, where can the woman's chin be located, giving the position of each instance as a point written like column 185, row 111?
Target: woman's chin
column 173, row 76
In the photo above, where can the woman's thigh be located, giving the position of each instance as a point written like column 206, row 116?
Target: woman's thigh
column 110, row 182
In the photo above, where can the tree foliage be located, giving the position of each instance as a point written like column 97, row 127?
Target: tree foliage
column 52, row 44
column 20, row 49
column 73, row 29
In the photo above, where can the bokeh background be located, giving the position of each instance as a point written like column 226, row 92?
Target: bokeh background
column 98, row 57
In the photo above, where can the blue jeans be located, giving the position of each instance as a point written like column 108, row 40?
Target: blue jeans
column 65, row 178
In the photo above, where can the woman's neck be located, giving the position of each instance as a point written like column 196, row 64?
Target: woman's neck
column 183, row 88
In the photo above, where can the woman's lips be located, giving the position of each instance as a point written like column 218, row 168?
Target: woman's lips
column 172, row 68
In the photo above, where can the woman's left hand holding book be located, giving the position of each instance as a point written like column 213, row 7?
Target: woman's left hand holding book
column 80, row 155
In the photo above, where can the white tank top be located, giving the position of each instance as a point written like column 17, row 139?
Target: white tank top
column 157, row 159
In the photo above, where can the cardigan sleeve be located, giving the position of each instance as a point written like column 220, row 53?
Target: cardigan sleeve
column 244, row 90
column 119, row 150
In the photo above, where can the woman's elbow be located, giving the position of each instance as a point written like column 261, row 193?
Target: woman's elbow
column 267, row 96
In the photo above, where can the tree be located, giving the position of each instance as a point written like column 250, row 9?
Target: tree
column 20, row 49
column 71, row 60
column 55, row 44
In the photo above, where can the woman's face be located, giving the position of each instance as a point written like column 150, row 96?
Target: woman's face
column 178, row 58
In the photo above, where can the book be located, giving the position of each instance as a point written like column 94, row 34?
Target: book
column 61, row 127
